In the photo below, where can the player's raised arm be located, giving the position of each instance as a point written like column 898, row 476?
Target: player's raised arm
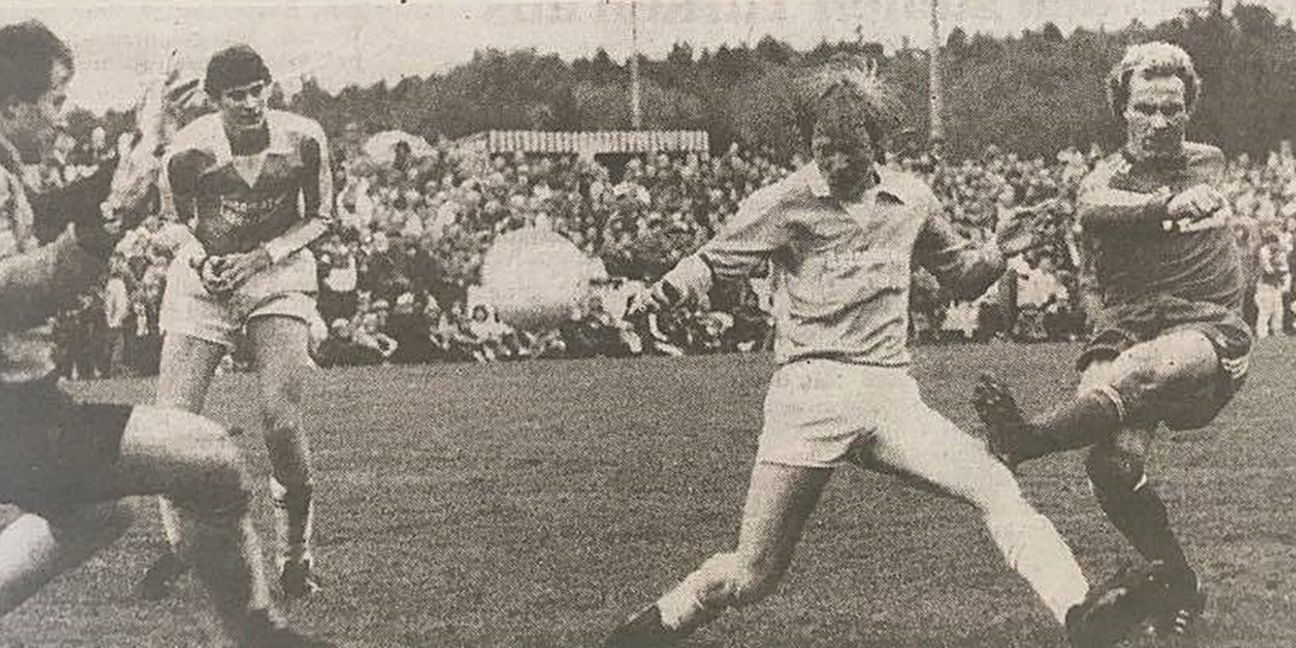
column 1100, row 205
column 317, row 198
column 963, row 268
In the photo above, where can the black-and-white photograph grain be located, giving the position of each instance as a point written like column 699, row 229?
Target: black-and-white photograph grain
column 647, row 323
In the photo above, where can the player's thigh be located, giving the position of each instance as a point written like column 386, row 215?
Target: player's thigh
column 173, row 452
column 923, row 446
column 780, row 498
column 280, row 356
column 185, row 373
column 1176, row 359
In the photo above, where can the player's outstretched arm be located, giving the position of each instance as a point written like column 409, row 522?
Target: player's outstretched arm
column 963, row 269
column 764, row 224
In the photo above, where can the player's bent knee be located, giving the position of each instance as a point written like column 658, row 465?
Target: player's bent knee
column 1114, row 470
column 219, row 485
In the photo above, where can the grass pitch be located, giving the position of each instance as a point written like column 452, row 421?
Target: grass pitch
column 538, row 504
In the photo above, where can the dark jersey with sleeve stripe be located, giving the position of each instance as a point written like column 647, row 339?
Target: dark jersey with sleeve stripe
column 236, row 203
column 1140, row 256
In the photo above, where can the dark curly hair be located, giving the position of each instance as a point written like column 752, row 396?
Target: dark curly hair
column 234, row 66
column 28, row 53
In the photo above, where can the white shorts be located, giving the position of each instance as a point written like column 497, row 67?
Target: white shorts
column 818, row 411
column 286, row 289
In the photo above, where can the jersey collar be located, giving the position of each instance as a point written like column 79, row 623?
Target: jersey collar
column 279, row 140
column 885, row 187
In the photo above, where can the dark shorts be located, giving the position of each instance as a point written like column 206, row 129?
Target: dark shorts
column 55, row 453
column 1120, row 329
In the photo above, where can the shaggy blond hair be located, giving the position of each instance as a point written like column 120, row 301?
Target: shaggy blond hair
column 848, row 92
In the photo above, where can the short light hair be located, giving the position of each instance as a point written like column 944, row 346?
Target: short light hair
column 1156, row 60
column 847, row 88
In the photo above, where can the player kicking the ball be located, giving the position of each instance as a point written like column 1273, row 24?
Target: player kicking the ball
column 1170, row 343
column 254, row 185
column 841, row 234
column 66, row 464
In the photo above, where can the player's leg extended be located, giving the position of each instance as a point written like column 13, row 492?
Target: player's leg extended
column 1116, row 472
column 282, row 363
column 184, row 377
column 1138, row 388
column 920, row 445
column 35, row 548
column 193, row 462
column 780, row 499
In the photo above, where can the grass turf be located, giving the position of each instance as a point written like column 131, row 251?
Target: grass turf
column 538, row 504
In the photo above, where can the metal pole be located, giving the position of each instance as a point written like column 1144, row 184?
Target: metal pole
column 636, row 113
column 934, row 91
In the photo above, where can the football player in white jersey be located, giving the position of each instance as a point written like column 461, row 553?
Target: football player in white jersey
column 254, row 186
column 841, row 234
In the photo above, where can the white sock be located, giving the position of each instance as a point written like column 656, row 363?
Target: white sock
column 170, row 523
column 1032, row 546
column 679, row 607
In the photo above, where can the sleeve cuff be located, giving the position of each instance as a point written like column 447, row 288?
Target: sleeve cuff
column 692, row 275
column 278, row 250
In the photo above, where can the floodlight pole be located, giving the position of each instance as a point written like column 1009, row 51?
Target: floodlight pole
column 934, row 73
column 636, row 113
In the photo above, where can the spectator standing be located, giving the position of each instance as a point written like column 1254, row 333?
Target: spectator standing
column 1274, row 279
column 116, row 313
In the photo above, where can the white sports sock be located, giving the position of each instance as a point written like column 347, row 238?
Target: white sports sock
column 1033, row 547
column 680, row 607
column 170, row 524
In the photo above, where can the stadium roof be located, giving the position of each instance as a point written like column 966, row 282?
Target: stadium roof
column 584, row 142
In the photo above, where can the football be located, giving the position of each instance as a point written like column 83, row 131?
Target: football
column 534, row 277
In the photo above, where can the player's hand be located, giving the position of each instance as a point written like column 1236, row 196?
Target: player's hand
column 1015, row 233
column 156, row 119
column 660, row 296
column 222, row 275
column 211, row 270
column 1195, row 203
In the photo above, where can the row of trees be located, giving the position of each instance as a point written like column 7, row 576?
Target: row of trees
column 1032, row 93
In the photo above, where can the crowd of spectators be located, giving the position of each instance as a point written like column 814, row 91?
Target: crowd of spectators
column 412, row 233
column 398, row 269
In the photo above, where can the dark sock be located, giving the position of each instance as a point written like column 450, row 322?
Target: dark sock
column 1141, row 517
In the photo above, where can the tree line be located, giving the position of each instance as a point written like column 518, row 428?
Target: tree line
column 1032, row 93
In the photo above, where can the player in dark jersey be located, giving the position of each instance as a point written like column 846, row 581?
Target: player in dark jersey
column 255, row 188
column 1170, row 345
column 66, row 464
